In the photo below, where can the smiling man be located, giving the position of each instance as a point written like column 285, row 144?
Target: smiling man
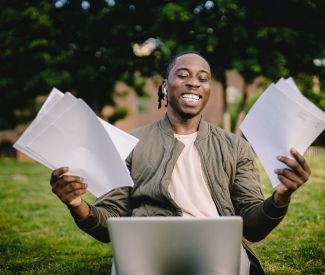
column 184, row 166
column 190, row 83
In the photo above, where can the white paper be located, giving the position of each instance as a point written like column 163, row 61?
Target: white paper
column 280, row 120
column 52, row 99
column 123, row 141
column 289, row 87
column 66, row 132
column 292, row 83
column 53, row 107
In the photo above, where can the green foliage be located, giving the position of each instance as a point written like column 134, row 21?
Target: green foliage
column 276, row 44
column 26, row 40
column 318, row 99
column 175, row 13
column 38, row 236
column 119, row 113
column 86, row 50
column 306, row 86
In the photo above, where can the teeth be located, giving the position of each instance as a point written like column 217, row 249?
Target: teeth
column 191, row 96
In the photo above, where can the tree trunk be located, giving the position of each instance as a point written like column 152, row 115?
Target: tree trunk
column 226, row 121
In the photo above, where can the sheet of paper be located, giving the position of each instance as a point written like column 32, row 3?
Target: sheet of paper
column 28, row 135
column 50, row 115
column 56, row 105
column 278, row 122
column 290, row 89
column 56, row 126
column 292, row 83
column 52, row 98
column 83, row 144
column 123, row 141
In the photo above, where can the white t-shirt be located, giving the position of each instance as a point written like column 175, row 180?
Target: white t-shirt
column 189, row 189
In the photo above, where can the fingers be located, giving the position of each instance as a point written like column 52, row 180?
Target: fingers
column 68, row 184
column 288, row 185
column 298, row 168
column 73, row 198
column 75, row 202
column 57, row 173
column 301, row 160
column 64, row 181
column 289, row 176
column 67, row 187
column 295, row 175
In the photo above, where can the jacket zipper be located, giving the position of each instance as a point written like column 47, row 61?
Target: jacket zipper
column 213, row 194
column 176, row 209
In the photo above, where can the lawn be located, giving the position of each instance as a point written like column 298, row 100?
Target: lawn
column 38, row 236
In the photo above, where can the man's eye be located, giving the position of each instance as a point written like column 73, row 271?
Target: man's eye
column 182, row 75
column 203, row 79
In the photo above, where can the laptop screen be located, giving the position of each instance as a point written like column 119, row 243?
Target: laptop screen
column 176, row 245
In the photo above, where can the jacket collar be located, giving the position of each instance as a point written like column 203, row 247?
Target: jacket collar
column 168, row 130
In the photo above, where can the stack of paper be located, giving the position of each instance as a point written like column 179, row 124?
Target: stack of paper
column 66, row 132
column 281, row 119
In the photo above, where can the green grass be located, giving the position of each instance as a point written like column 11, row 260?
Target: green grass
column 297, row 245
column 38, row 236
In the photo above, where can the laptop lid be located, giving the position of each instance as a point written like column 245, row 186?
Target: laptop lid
column 176, row 245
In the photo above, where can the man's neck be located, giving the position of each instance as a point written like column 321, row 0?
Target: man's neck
column 183, row 126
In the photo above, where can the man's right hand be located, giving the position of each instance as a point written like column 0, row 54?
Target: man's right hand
column 68, row 189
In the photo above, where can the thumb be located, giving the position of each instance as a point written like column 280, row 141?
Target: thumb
column 75, row 202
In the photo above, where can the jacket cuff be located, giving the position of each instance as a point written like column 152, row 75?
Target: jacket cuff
column 274, row 211
column 88, row 223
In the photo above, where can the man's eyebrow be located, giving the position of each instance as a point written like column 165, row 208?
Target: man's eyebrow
column 186, row 69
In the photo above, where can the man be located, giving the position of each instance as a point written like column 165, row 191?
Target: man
column 183, row 166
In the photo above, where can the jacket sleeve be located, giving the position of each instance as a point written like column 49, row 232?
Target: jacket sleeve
column 113, row 204
column 260, row 216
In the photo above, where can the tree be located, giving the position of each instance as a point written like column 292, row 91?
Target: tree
column 86, row 46
column 28, row 56
column 78, row 49
column 278, row 45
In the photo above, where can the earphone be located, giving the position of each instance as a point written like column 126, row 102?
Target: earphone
column 164, row 91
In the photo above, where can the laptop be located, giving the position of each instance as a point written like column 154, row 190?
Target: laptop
column 176, row 245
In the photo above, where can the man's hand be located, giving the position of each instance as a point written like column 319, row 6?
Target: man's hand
column 291, row 178
column 68, row 188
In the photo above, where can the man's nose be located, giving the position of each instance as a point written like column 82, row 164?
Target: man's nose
column 193, row 82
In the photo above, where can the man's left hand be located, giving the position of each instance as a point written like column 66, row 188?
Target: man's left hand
column 290, row 178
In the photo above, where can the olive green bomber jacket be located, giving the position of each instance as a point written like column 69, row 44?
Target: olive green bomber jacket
column 230, row 170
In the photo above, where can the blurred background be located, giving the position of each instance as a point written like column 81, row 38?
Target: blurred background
column 112, row 54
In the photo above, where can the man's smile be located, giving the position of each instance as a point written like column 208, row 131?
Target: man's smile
column 191, row 98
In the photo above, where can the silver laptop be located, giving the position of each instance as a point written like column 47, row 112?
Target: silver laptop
column 175, row 245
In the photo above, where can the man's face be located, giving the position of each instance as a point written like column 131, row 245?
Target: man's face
column 188, row 86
